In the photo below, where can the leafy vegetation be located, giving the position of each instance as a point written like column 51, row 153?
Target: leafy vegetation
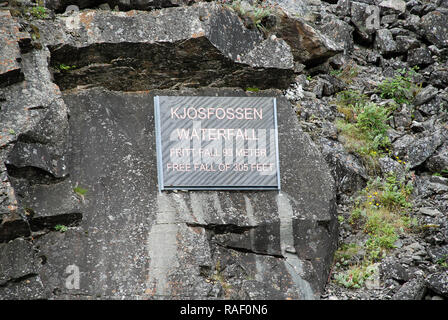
column 401, row 88
column 64, row 67
column 256, row 12
column 80, row 190
column 443, row 262
column 355, row 276
column 61, row 228
column 347, row 73
column 250, row 89
column 364, row 127
column 380, row 212
column 38, row 12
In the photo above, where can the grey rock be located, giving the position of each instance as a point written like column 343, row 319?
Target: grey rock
column 415, row 151
column 438, row 254
column 430, row 212
column 10, row 68
column 256, row 290
column 405, row 43
column 439, row 78
column 61, row 5
column 341, row 33
column 439, row 160
column 177, row 47
column 438, row 282
column 388, row 165
column 30, row 288
column 308, row 45
column 384, row 41
column 346, row 169
column 425, row 95
column 394, row 270
column 420, row 57
column 434, row 106
column 414, row 289
column 359, row 17
column 435, row 28
column 343, row 7
column 402, row 118
column 398, row 6
column 35, row 155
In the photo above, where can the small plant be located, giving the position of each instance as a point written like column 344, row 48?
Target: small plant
column 364, row 129
column 255, row 12
column 218, row 277
column 443, row 262
column 250, row 89
column 354, row 277
column 38, row 12
column 346, row 253
column 442, row 173
column 335, row 73
column 11, row 131
column 346, row 74
column 80, row 191
column 61, row 228
column 64, row 67
column 349, row 101
column 401, row 88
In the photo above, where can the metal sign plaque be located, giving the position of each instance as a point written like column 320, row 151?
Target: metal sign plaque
column 217, row 143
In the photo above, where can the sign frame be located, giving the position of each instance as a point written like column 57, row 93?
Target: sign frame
column 159, row 148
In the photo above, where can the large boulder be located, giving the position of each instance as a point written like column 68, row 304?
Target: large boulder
column 309, row 46
column 169, row 48
column 435, row 28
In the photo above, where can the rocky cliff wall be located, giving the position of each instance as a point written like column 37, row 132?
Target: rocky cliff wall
column 80, row 211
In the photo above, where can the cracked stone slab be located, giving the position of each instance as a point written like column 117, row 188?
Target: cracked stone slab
column 168, row 48
column 61, row 5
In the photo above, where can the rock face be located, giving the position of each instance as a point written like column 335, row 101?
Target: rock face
column 435, row 27
column 134, row 242
column 10, row 69
column 61, row 5
column 176, row 47
column 78, row 156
